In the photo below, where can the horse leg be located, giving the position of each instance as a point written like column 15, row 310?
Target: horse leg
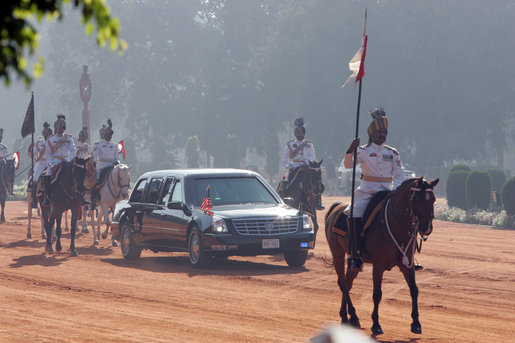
column 29, row 214
column 58, row 232
column 48, row 225
column 43, row 231
column 2, row 216
column 96, row 227
column 66, row 227
column 409, row 276
column 377, row 273
column 349, row 279
column 107, row 222
column 73, row 251
column 84, row 220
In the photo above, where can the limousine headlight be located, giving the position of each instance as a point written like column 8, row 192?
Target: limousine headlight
column 307, row 225
column 219, row 225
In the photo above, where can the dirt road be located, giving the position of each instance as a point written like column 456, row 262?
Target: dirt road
column 467, row 292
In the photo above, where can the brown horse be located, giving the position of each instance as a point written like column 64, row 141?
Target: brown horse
column 389, row 241
column 6, row 183
column 64, row 196
column 304, row 186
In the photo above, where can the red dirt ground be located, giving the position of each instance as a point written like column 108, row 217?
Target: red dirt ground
column 467, row 292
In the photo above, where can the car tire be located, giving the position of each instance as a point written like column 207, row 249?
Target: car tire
column 199, row 257
column 130, row 250
column 296, row 258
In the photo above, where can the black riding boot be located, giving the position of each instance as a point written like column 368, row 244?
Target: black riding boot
column 83, row 200
column 355, row 261
column 46, row 189
column 93, row 204
column 319, row 203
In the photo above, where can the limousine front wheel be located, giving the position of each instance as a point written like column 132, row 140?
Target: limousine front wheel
column 296, row 258
column 198, row 256
column 129, row 250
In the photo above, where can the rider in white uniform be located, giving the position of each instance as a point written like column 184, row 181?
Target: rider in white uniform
column 59, row 147
column 105, row 155
column 40, row 163
column 5, row 155
column 382, row 170
column 299, row 152
column 83, row 152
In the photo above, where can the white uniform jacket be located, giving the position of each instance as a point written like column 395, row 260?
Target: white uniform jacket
column 381, row 166
column 59, row 148
column 83, row 150
column 298, row 153
column 105, row 154
column 40, row 162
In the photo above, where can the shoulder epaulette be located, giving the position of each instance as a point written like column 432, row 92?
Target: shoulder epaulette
column 67, row 135
column 392, row 149
column 308, row 141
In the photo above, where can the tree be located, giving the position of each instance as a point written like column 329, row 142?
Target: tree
column 192, row 152
column 19, row 36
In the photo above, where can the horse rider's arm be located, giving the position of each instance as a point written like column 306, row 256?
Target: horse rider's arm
column 73, row 150
column 398, row 173
column 116, row 157
column 311, row 155
column 286, row 155
column 349, row 157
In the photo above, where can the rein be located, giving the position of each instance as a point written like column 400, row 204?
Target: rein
column 110, row 185
column 413, row 235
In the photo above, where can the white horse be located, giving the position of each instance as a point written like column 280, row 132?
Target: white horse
column 116, row 188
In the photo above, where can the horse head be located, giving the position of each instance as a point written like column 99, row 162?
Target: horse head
column 315, row 174
column 422, row 205
column 79, row 169
column 123, row 177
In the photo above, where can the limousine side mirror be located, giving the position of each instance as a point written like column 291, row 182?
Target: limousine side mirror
column 177, row 205
column 289, row 201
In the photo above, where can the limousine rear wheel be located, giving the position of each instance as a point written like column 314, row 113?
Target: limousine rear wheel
column 199, row 257
column 129, row 249
column 296, row 258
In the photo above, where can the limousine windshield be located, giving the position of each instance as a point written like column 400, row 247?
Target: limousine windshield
column 234, row 190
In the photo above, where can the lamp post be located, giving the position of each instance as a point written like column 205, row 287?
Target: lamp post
column 85, row 95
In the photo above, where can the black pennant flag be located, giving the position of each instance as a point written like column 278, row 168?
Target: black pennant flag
column 28, row 122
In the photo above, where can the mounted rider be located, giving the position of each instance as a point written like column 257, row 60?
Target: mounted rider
column 40, row 163
column 299, row 152
column 382, row 170
column 5, row 156
column 105, row 155
column 59, row 147
column 83, row 153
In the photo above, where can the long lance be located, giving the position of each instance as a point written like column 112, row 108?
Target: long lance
column 355, row 153
column 32, row 159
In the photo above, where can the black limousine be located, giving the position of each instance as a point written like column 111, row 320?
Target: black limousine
column 242, row 215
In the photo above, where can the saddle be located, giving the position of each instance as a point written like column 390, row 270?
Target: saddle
column 54, row 177
column 374, row 206
column 91, row 181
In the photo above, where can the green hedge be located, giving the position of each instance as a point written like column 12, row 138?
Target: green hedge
column 498, row 179
column 460, row 167
column 508, row 196
column 479, row 189
column 456, row 188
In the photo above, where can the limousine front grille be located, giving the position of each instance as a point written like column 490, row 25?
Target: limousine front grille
column 271, row 226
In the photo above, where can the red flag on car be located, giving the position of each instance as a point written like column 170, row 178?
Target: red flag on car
column 121, row 148
column 357, row 63
column 207, row 204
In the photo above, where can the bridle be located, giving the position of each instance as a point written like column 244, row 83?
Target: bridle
column 111, row 184
column 414, row 227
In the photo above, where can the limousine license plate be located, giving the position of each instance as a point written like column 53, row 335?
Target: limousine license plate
column 272, row 243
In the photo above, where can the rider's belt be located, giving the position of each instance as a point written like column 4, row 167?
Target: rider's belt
column 59, row 157
column 296, row 161
column 377, row 179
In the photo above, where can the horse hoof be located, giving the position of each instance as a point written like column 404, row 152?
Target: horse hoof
column 376, row 330
column 85, row 230
column 49, row 249
column 29, row 235
column 43, row 236
column 416, row 328
column 355, row 323
column 74, row 253
column 58, row 247
column 104, row 235
column 96, row 242
column 115, row 243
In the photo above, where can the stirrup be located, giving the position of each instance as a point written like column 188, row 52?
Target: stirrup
column 355, row 264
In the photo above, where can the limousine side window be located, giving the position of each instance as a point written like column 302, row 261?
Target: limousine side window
column 153, row 191
column 167, row 189
column 137, row 193
column 177, row 192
